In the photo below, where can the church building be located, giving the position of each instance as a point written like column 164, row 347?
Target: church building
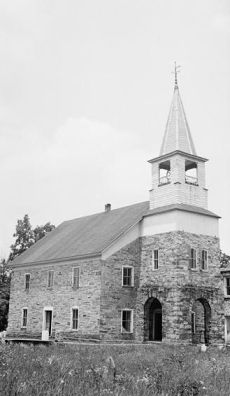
column 145, row 272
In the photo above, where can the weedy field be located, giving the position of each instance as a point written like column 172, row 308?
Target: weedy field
column 89, row 370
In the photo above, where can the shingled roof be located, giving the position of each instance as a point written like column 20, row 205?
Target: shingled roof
column 183, row 208
column 90, row 235
column 177, row 133
column 84, row 236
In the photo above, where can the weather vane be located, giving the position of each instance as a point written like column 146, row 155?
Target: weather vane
column 176, row 70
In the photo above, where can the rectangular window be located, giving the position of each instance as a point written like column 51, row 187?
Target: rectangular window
column 24, row 317
column 76, row 276
column 50, row 278
column 193, row 322
column 193, row 258
column 74, row 318
column 227, row 286
column 155, row 259
column 127, row 276
column 27, row 281
column 204, row 260
column 127, row 321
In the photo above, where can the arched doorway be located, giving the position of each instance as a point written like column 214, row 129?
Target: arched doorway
column 201, row 321
column 153, row 320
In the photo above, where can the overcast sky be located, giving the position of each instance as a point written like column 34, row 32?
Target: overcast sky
column 85, row 91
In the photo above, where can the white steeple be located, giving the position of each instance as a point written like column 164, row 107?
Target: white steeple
column 177, row 133
column 178, row 174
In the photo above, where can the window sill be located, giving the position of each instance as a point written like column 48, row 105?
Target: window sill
column 75, row 330
column 126, row 332
column 163, row 184
column 192, row 184
column 227, row 297
column 194, row 269
column 75, row 288
column 204, row 270
column 128, row 287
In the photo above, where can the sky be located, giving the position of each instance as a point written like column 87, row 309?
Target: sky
column 85, row 91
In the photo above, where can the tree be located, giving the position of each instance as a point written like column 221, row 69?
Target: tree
column 41, row 231
column 26, row 236
column 224, row 259
column 5, row 275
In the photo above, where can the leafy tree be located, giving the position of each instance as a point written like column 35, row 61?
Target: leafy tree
column 26, row 236
column 5, row 274
column 224, row 259
column 41, row 231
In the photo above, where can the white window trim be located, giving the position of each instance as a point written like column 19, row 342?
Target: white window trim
column 48, row 308
column 71, row 319
column 193, row 268
column 27, row 273
column 153, row 266
column 131, row 325
column 50, row 287
column 24, row 327
column 75, row 287
column 202, row 269
column 132, row 277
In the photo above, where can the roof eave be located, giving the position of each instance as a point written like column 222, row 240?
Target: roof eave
column 183, row 153
column 56, row 260
column 164, row 209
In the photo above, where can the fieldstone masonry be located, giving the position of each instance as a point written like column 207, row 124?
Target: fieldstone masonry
column 61, row 297
column 101, row 296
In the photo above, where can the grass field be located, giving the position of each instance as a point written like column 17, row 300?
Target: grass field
column 139, row 370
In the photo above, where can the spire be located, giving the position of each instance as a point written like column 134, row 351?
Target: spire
column 177, row 134
column 176, row 70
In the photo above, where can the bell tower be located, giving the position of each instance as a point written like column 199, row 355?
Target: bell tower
column 180, row 268
column 178, row 174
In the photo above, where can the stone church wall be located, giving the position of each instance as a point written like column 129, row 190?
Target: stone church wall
column 114, row 296
column 101, row 297
column 61, row 297
column 177, row 286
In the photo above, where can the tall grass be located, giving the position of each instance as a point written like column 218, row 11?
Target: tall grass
column 140, row 370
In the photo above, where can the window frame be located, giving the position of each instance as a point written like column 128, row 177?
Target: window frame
column 27, row 283
column 155, row 260
column 203, row 260
column 23, row 317
column 193, row 322
column 50, row 286
column 226, row 286
column 132, row 275
column 191, row 259
column 123, row 330
column 72, row 318
column 75, row 286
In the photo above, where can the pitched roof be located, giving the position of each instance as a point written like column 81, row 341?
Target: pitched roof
column 177, row 133
column 84, row 236
column 183, row 207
